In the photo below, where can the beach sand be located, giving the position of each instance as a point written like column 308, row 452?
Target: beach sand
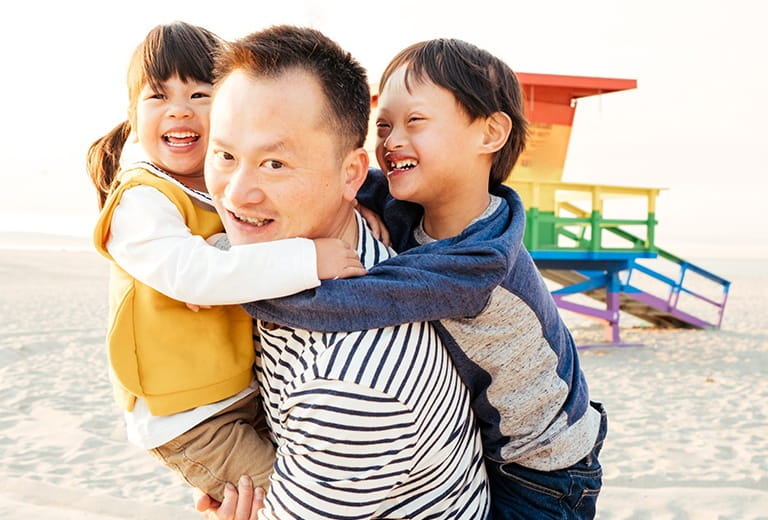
column 688, row 411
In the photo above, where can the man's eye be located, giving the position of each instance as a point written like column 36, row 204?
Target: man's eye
column 271, row 164
column 224, row 156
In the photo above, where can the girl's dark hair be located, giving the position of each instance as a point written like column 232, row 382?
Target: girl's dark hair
column 176, row 48
column 481, row 83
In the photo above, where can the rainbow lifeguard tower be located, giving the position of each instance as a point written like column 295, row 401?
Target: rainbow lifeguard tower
column 604, row 264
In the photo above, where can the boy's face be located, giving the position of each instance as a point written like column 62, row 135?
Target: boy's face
column 172, row 126
column 273, row 167
column 426, row 144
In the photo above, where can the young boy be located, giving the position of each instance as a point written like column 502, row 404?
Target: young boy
column 450, row 128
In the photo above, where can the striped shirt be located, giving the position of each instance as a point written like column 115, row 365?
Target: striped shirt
column 368, row 424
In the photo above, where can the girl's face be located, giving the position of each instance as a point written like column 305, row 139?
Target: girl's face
column 172, row 127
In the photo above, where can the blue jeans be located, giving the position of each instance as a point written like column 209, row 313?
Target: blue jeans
column 571, row 493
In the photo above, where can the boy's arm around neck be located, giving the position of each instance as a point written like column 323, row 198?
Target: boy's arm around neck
column 451, row 278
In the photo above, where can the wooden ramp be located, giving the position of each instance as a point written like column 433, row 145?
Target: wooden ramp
column 656, row 311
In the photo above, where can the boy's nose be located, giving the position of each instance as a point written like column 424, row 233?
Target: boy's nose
column 393, row 140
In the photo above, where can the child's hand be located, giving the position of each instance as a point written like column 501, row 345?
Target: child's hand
column 196, row 308
column 335, row 259
column 375, row 223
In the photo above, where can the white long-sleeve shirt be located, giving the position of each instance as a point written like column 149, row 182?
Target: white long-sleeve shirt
column 151, row 242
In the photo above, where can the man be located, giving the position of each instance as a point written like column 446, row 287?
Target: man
column 367, row 424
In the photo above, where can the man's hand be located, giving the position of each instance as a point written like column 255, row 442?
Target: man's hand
column 336, row 259
column 242, row 503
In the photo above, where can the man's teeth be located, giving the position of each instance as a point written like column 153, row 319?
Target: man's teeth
column 403, row 165
column 254, row 221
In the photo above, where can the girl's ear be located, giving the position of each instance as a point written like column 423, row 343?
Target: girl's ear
column 497, row 128
column 355, row 169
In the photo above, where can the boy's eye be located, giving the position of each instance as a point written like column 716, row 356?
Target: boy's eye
column 198, row 95
column 382, row 129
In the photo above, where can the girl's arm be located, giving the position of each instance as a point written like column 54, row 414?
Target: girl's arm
column 150, row 241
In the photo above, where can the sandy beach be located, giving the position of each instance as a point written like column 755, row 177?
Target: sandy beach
column 688, row 410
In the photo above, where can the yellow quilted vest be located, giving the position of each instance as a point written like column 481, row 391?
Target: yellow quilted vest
column 158, row 349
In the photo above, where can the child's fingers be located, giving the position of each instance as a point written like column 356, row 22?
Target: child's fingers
column 195, row 308
column 352, row 271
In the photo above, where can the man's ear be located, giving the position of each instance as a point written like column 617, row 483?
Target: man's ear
column 496, row 132
column 355, row 169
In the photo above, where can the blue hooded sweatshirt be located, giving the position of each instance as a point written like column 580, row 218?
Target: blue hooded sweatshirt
column 496, row 317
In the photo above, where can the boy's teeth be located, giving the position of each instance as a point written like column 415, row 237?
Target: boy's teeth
column 402, row 165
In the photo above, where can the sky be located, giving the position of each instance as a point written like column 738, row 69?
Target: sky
column 697, row 124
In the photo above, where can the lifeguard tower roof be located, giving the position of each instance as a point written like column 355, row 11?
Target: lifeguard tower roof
column 550, row 105
column 576, row 86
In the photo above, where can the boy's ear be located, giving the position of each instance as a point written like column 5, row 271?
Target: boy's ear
column 355, row 170
column 497, row 128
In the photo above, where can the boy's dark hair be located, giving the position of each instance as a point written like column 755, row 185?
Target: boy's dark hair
column 273, row 51
column 176, row 48
column 481, row 83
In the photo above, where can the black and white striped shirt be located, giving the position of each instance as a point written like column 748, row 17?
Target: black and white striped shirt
column 369, row 424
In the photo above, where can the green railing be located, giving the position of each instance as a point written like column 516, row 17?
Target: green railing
column 556, row 221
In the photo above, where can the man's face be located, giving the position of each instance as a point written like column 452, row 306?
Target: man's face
column 273, row 166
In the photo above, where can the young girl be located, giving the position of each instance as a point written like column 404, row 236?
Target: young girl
column 184, row 378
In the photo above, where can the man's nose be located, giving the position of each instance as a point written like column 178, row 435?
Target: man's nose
column 243, row 188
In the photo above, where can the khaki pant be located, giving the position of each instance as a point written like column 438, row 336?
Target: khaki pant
column 221, row 449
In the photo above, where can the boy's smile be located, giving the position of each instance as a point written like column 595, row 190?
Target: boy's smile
column 396, row 165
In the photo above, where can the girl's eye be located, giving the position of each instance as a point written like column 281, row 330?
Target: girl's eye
column 413, row 119
column 157, row 95
column 199, row 95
